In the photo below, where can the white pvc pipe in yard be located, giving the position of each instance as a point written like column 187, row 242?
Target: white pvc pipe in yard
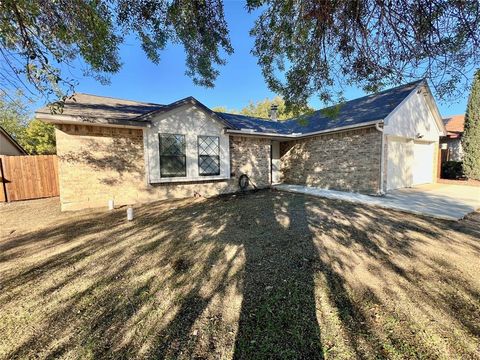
column 129, row 213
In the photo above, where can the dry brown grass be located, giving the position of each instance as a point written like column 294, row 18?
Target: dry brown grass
column 264, row 275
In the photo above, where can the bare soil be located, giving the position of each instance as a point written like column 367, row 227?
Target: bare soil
column 261, row 275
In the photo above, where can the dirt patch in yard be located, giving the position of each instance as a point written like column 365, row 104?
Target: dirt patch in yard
column 262, row 275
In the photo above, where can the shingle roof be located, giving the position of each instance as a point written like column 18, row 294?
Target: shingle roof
column 106, row 110
column 243, row 122
column 354, row 112
column 89, row 106
column 454, row 123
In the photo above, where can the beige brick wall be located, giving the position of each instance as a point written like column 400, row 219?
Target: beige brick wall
column 347, row 160
column 101, row 163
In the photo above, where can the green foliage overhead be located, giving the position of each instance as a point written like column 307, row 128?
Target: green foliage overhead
column 37, row 38
column 304, row 47
column 317, row 47
column 471, row 135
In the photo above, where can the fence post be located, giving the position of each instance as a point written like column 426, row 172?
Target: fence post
column 3, row 190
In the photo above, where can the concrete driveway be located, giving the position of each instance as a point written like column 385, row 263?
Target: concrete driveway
column 443, row 201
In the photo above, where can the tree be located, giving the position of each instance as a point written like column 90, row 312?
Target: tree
column 13, row 116
column 311, row 47
column 35, row 136
column 38, row 38
column 39, row 138
column 262, row 109
column 224, row 109
column 304, row 47
column 471, row 134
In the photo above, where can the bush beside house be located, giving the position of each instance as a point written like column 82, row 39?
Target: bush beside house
column 471, row 135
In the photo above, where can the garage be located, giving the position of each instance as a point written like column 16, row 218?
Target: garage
column 423, row 163
column 410, row 142
column 409, row 162
column 399, row 172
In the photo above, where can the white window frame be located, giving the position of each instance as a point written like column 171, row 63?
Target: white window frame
column 191, row 122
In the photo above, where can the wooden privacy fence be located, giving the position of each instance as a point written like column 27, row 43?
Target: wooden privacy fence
column 28, row 177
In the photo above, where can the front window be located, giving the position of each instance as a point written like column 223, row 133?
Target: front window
column 208, row 155
column 172, row 155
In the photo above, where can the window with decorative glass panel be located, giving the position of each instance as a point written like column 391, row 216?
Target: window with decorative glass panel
column 172, row 155
column 208, row 155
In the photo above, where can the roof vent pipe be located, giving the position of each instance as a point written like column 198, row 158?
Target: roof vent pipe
column 274, row 112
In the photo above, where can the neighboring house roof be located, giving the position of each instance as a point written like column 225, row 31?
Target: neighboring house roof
column 354, row 113
column 454, row 125
column 12, row 141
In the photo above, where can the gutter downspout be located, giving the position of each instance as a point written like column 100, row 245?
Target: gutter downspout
column 382, row 157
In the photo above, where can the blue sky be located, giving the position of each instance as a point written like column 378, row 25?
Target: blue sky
column 240, row 81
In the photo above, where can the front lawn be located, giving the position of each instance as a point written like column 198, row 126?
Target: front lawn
column 262, row 275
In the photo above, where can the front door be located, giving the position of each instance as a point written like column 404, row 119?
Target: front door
column 275, row 162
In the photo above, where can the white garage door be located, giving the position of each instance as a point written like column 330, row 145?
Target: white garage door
column 398, row 163
column 423, row 161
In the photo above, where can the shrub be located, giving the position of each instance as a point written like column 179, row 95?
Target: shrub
column 452, row 170
column 471, row 135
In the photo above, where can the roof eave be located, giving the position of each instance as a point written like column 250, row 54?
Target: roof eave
column 188, row 100
column 293, row 136
column 89, row 121
column 432, row 104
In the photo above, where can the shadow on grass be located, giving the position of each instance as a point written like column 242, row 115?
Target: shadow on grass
column 264, row 275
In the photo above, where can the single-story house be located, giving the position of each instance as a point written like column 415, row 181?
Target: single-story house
column 134, row 151
column 452, row 141
column 8, row 145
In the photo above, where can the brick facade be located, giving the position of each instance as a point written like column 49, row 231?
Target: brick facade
column 101, row 163
column 348, row 160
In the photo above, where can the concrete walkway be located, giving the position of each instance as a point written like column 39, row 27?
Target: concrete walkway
column 450, row 202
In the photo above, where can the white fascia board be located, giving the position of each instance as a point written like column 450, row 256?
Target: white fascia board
column 432, row 104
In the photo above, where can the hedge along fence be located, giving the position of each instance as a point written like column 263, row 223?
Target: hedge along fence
column 28, row 177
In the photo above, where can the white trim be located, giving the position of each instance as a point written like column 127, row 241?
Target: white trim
column 412, row 93
column 188, row 179
column 436, row 113
column 382, row 158
column 191, row 121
